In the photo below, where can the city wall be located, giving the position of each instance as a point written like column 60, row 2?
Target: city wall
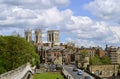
column 18, row 73
column 104, row 70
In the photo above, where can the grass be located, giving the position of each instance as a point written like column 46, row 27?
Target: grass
column 48, row 75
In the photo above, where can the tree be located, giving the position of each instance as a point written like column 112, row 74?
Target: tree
column 105, row 60
column 14, row 52
column 84, row 53
column 95, row 60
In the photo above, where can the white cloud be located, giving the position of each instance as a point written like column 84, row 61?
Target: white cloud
column 86, row 43
column 108, row 11
column 35, row 4
column 22, row 14
column 79, row 22
column 116, row 32
column 19, row 17
column 105, row 9
column 86, row 28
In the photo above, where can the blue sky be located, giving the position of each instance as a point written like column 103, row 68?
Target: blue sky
column 77, row 6
column 86, row 22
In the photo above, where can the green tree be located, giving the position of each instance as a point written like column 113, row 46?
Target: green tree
column 14, row 52
column 84, row 53
column 105, row 60
column 95, row 60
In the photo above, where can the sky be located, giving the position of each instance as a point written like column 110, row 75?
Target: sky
column 85, row 22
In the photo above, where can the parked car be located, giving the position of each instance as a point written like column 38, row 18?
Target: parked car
column 87, row 77
column 80, row 72
column 75, row 69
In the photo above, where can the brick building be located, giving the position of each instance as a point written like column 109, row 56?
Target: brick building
column 100, row 52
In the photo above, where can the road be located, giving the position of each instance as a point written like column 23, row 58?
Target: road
column 69, row 68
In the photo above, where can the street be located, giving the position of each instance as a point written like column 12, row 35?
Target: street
column 69, row 68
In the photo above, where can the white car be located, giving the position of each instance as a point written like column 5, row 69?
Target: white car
column 80, row 72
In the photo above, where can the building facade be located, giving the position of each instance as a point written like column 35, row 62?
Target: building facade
column 104, row 71
column 53, row 37
column 28, row 35
column 114, row 54
column 100, row 52
column 38, row 37
column 51, row 54
column 118, row 55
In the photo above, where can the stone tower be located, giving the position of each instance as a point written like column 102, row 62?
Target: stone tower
column 38, row 37
column 28, row 35
column 53, row 37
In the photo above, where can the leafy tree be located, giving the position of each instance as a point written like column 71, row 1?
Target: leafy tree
column 84, row 53
column 81, row 59
column 14, row 52
column 105, row 60
column 95, row 60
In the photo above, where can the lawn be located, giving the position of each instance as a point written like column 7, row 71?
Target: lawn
column 48, row 75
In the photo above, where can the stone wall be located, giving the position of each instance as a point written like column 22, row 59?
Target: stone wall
column 104, row 70
column 18, row 73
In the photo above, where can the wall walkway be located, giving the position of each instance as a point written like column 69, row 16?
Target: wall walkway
column 18, row 73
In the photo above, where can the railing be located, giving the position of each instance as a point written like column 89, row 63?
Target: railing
column 18, row 73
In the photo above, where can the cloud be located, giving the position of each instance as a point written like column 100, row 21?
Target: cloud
column 91, row 33
column 87, row 43
column 25, row 18
column 86, row 28
column 80, row 27
column 105, row 9
column 116, row 32
column 35, row 4
column 108, row 12
column 23, row 14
